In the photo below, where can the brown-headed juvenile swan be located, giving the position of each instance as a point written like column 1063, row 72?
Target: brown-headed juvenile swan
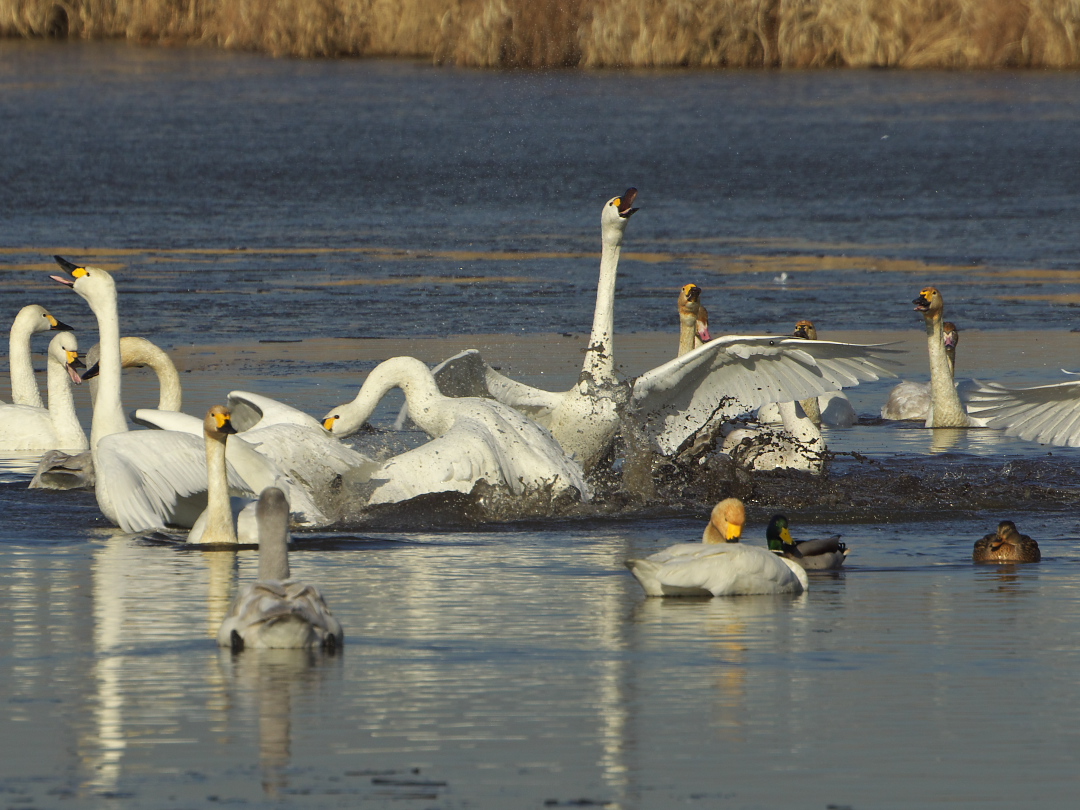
column 30, row 320
column 472, row 439
column 277, row 612
column 719, row 565
column 27, row 428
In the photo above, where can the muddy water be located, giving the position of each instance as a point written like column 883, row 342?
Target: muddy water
column 281, row 226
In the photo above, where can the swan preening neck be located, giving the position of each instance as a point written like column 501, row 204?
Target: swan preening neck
column 30, row 320
column 599, row 368
column 726, row 522
column 272, row 516
column 421, row 393
column 693, row 319
column 945, row 407
column 220, row 528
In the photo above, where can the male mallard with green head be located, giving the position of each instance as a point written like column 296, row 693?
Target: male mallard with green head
column 819, row 555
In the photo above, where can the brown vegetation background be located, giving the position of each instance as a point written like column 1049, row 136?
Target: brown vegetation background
column 592, row 33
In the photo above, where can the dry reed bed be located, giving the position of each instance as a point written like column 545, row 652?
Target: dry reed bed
column 593, row 33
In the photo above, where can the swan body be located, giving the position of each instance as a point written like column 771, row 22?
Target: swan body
column 29, row 321
column 910, row 401
column 825, row 554
column 719, row 565
column 719, row 380
column 472, row 439
column 798, row 446
column 29, row 428
column 277, row 612
column 1006, row 545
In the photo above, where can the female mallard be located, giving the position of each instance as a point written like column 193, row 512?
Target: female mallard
column 817, row 555
column 719, row 565
column 1006, row 545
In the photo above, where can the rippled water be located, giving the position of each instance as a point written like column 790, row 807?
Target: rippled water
column 357, row 210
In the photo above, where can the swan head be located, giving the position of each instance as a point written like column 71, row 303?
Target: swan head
column 929, row 302
column 91, row 283
column 41, row 320
column 726, row 522
column 951, row 336
column 616, row 212
column 218, row 423
column 690, row 308
column 64, row 349
column 777, row 534
column 806, row 330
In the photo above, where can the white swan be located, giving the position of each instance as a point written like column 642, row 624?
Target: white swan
column 29, row 321
column 833, row 408
column 60, row 470
column 693, row 319
column 910, row 401
column 473, row 439
column 225, row 517
column 722, row 379
column 147, row 479
column 719, row 565
column 277, row 612
column 798, row 446
column 26, row 428
column 1049, row 414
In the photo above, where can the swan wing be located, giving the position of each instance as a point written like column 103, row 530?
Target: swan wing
column 168, row 420
column 730, row 376
column 280, row 615
column 1045, row 413
column 251, row 411
column 148, row 473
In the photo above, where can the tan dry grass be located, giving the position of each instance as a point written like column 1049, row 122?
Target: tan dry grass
column 592, row 33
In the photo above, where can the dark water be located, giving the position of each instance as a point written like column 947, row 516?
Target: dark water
column 518, row 665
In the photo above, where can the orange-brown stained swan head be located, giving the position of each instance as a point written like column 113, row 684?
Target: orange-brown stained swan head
column 929, row 301
column 805, row 329
column 692, row 314
column 726, row 523
column 218, row 423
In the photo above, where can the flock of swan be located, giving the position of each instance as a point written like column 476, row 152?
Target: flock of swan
column 211, row 476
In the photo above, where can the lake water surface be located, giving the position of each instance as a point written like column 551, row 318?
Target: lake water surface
column 281, row 226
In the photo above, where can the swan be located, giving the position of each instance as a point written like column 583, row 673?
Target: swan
column 720, row 565
column 218, row 525
column 910, row 401
column 60, row 470
column 813, row 555
column 26, row 428
column 1049, row 414
column 147, row 479
column 720, row 380
column 832, row 408
column 472, row 439
column 693, row 319
column 30, row 320
column 277, row 612
column 1006, row 545
column 798, row 446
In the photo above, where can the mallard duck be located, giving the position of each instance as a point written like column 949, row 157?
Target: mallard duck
column 1006, row 545
column 719, row 565
column 815, row 555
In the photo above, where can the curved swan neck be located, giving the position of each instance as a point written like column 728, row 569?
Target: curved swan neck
column 272, row 514
column 219, row 519
column 414, row 379
column 945, row 407
column 65, row 421
column 24, row 388
column 801, row 428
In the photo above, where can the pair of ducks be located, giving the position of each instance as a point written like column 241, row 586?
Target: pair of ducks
column 721, row 566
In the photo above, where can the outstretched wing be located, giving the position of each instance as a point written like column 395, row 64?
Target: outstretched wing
column 733, row 375
column 1044, row 413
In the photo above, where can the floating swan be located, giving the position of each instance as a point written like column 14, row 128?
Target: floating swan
column 693, row 319
column 722, row 379
column 473, row 439
column 1006, row 545
column 30, row 320
column 60, row 470
column 813, row 555
column 910, row 401
column 27, row 428
column 277, row 612
column 720, row 565
column 147, row 479
column 833, row 408
column 218, row 524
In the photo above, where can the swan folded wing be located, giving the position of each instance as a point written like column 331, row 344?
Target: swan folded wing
column 728, row 377
column 150, row 472
column 26, row 428
column 1045, row 413
column 270, row 614
column 726, row 569
column 167, row 420
column 251, row 411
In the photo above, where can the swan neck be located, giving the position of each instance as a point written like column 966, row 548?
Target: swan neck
column 800, row 427
column 219, row 520
column 687, row 332
column 273, row 548
column 599, row 355
column 945, row 407
column 108, row 406
column 414, row 379
column 62, row 413
column 24, row 388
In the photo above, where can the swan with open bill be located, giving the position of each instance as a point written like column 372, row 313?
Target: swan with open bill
column 29, row 428
column 472, row 439
column 277, row 612
column 1006, row 545
column 719, row 565
column 30, row 320
column 720, row 380
column 148, row 479
column 813, row 555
